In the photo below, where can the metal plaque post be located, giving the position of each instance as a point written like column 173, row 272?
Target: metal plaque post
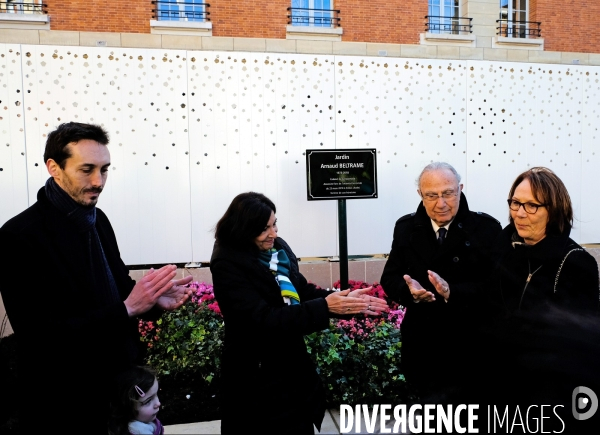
column 343, row 229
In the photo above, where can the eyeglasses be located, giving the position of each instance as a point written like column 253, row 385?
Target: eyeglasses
column 447, row 194
column 529, row 207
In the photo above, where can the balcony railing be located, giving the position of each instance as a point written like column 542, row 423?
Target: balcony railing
column 455, row 25
column 180, row 11
column 313, row 17
column 518, row 29
column 22, row 7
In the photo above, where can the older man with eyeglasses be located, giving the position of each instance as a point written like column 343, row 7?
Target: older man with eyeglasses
column 439, row 259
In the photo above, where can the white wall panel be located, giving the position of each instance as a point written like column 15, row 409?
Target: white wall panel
column 310, row 226
column 589, row 218
column 150, row 191
column 520, row 116
column 140, row 97
column 207, row 192
column 229, row 122
column 40, row 117
column 257, row 115
column 492, row 146
column 13, row 163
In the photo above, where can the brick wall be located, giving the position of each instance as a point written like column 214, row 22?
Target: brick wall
column 533, row 10
column 374, row 21
column 569, row 25
column 382, row 21
column 117, row 16
column 249, row 18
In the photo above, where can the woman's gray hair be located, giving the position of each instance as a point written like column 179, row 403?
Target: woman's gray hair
column 437, row 166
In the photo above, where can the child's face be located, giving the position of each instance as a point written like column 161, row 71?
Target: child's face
column 148, row 406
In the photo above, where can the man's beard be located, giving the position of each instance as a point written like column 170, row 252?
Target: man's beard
column 80, row 197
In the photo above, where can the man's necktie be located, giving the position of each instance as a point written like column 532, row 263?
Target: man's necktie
column 441, row 235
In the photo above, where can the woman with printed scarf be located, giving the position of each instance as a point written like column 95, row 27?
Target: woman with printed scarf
column 269, row 383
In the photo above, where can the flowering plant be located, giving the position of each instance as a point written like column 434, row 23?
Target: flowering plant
column 189, row 338
column 359, row 327
column 358, row 358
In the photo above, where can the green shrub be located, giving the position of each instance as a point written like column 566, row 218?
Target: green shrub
column 188, row 339
column 357, row 370
column 358, row 359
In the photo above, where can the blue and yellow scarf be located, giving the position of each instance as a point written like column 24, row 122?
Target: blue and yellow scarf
column 279, row 265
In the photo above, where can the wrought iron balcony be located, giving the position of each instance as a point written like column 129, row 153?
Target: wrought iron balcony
column 182, row 10
column 22, row 7
column 313, row 17
column 454, row 25
column 518, row 29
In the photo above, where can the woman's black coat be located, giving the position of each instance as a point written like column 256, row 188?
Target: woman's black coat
column 563, row 274
column 544, row 340
column 268, row 376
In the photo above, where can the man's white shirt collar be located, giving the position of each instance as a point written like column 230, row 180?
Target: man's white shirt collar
column 436, row 227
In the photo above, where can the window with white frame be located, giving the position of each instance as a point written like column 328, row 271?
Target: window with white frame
column 21, row 7
column 314, row 13
column 513, row 18
column 24, row 14
column 181, row 10
column 443, row 16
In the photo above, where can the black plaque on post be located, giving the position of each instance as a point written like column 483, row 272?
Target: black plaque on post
column 341, row 174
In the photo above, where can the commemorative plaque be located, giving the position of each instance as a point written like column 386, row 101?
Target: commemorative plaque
column 341, row 174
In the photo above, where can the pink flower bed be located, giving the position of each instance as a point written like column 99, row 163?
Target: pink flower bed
column 358, row 327
column 204, row 295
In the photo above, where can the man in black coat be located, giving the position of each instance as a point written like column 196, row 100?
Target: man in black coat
column 68, row 294
column 439, row 260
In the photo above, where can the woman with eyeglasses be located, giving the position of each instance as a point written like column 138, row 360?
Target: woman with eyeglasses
column 538, row 263
column 543, row 341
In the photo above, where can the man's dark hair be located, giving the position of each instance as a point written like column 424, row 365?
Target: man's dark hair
column 56, row 144
column 245, row 218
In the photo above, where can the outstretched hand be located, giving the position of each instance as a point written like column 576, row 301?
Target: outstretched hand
column 419, row 294
column 440, row 284
column 376, row 305
column 176, row 295
column 342, row 303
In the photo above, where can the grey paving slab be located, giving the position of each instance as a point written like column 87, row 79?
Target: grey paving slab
column 329, row 426
column 203, row 428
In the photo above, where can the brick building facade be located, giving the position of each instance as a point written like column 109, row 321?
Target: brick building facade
column 375, row 21
column 400, row 28
column 569, row 25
